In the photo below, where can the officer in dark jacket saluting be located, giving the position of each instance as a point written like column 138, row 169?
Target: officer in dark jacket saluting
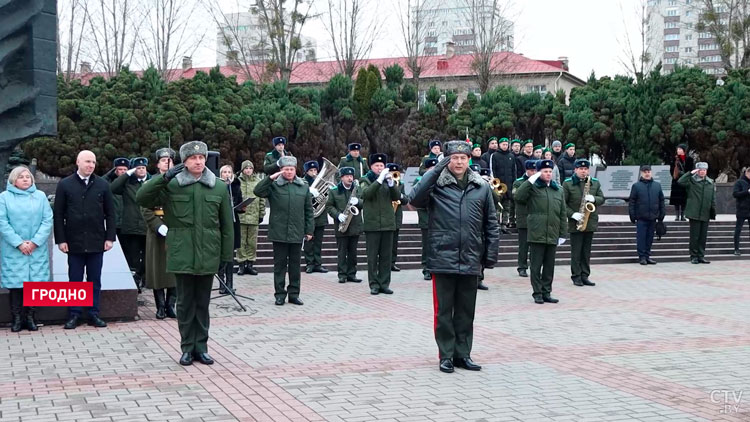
column 741, row 193
column 463, row 237
column 646, row 206
column 84, row 221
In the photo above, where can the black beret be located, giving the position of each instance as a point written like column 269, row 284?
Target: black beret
column 139, row 161
column 122, row 162
column 582, row 162
column 355, row 147
column 279, row 140
column 310, row 165
column 435, row 142
column 346, row 171
column 544, row 164
column 484, row 172
column 430, row 162
column 474, row 167
column 378, row 158
column 393, row 167
column 530, row 164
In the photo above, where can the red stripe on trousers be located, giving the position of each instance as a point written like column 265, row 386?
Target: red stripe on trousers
column 435, row 306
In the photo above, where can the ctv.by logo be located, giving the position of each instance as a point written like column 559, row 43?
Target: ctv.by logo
column 729, row 399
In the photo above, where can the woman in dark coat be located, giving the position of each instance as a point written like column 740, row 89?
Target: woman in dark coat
column 741, row 193
column 682, row 164
column 226, row 173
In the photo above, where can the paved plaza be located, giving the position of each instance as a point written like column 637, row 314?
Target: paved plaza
column 660, row 343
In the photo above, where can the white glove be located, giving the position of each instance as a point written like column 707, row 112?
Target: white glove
column 590, row 198
column 130, row 172
column 391, row 182
column 534, row 178
column 314, row 192
column 560, row 241
column 353, row 201
column 577, row 216
column 382, row 176
column 162, row 230
column 342, row 218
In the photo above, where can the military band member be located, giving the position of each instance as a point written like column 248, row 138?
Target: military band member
column 464, row 237
column 290, row 223
column 436, row 151
column 133, row 229
column 354, row 160
column 250, row 219
column 700, row 209
column 198, row 212
column 271, row 161
column 547, row 224
column 521, row 216
column 423, row 221
column 120, row 166
column 342, row 196
column 580, row 241
column 314, row 248
column 503, row 166
column 379, row 190
column 157, row 278
column 399, row 210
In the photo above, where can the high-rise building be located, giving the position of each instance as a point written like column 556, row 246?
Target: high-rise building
column 455, row 21
column 674, row 38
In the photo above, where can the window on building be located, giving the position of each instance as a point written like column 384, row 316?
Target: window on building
column 708, row 47
column 688, row 49
column 689, row 37
column 672, row 37
column 670, row 25
column 688, row 61
column 673, row 12
column 704, row 35
column 477, row 93
column 672, row 49
column 540, row 89
column 671, row 60
column 673, row 2
column 687, row 13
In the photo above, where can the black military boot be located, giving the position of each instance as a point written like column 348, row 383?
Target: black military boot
column 17, row 324
column 249, row 269
column 241, row 269
column 160, row 303
column 171, row 301
column 30, row 322
column 222, row 276
column 16, row 306
column 229, row 280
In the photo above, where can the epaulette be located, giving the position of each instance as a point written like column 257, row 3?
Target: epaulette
column 594, row 179
column 333, row 188
column 269, row 153
column 568, row 179
column 520, row 179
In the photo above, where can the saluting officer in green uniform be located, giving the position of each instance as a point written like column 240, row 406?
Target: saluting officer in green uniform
column 399, row 207
column 547, row 224
column 436, row 151
column 423, row 221
column 198, row 212
column 270, row 162
column 290, row 222
column 700, row 208
column 314, row 248
column 344, row 195
column 379, row 190
column 354, row 160
column 521, row 214
column 580, row 241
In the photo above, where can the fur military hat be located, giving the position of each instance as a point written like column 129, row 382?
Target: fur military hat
column 355, row 147
column 287, row 161
column 581, row 162
column 484, row 172
column 279, row 140
column 164, row 153
column 434, row 143
column 701, row 165
column 193, row 148
column 122, row 162
column 378, row 158
column 346, row 171
column 475, row 167
column 457, row 147
column 245, row 164
column 544, row 164
column 530, row 165
column 430, row 162
column 138, row 161
column 312, row 164
column 393, row 167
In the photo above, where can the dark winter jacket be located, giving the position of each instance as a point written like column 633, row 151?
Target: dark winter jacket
column 547, row 220
column 743, row 197
column 567, row 166
column 463, row 233
column 503, row 166
column 701, row 197
column 84, row 215
column 132, row 219
column 678, row 193
column 646, row 201
column 521, row 164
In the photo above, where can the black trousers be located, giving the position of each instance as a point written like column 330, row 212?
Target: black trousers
column 347, row 256
column 424, row 252
column 286, row 258
column 16, row 303
column 91, row 263
column 454, row 300
column 394, row 248
column 542, row 268
column 644, row 232
column 193, row 298
column 314, row 248
column 523, row 249
column 698, row 238
column 580, row 255
column 379, row 259
column 738, row 230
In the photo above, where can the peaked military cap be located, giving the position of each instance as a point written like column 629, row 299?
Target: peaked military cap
column 581, row 162
column 530, row 164
column 430, row 162
column 435, row 142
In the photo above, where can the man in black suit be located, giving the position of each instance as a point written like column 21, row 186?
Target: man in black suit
column 84, row 229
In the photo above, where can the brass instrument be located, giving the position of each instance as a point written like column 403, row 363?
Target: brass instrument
column 396, row 176
column 395, row 205
column 350, row 211
column 325, row 180
column 498, row 186
column 586, row 208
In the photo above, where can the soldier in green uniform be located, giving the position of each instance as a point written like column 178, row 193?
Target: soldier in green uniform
column 580, row 241
column 436, row 151
column 344, row 195
column 423, row 220
column 157, row 277
column 521, row 213
column 399, row 207
column 354, row 160
column 290, row 222
column 379, row 190
column 133, row 228
column 250, row 219
column 700, row 209
column 121, row 165
column 271, row 161
column 547, row 223
column 198, row 212
column 314, row 248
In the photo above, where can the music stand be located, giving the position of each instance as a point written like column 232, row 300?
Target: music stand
column 230, row 292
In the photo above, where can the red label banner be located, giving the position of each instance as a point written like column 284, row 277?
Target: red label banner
column 58, row 293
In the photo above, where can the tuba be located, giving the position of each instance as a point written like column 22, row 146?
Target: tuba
column 586, row 208
column 325, row 180
column 351, row 211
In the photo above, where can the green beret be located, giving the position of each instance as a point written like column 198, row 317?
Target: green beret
column 570, row 144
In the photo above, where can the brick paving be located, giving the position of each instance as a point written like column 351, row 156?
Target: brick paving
column 658, row 343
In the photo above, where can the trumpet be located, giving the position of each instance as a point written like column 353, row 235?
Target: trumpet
column 396, row 176
column 395, row 205
column 498, row 186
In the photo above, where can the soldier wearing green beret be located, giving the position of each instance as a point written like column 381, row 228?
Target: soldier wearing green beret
column 515, row 147
column 345, row 203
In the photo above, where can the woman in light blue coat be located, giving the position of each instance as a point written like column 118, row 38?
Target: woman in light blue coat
column 25, row 226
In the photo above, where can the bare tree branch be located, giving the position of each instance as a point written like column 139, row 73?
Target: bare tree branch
column 728, row 21
column 351, row 36
column 113, row 34
column 491, row 31
column 72, row 13
column 637, row 59
column 413, row 22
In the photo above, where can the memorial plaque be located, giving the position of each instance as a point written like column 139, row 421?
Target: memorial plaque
column 617, row 180
column 408, row 178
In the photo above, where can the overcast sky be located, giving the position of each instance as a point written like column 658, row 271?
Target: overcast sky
column 590, row 33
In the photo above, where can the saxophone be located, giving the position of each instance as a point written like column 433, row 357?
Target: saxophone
column 350, row 210
column 586, row 208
